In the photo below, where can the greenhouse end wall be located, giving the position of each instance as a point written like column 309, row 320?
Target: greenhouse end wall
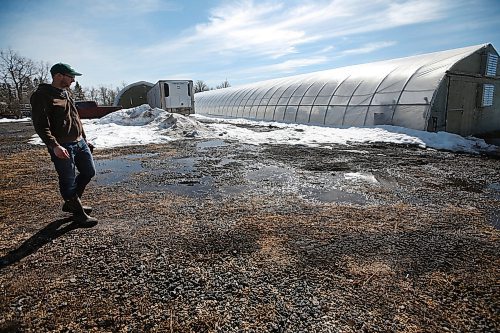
column 133, row 95
column 465, row 82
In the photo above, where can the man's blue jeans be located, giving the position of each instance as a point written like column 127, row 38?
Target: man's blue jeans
column 71, row 184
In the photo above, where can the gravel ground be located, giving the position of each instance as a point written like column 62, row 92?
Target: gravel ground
column 216, row 236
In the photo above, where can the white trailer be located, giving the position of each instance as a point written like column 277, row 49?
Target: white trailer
column 172, row 96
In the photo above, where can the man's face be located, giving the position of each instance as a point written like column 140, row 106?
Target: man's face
column 66, row 80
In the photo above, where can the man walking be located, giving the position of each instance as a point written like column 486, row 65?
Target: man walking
column 58, row 124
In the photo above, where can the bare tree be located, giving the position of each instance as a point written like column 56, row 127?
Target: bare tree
column 20, row 76
column 7, row 93
column 92, row 93
column 122, row 85
column 43, row 73
column 103, row 95
column 112, row 95
column 17, row 74
column 224, row 84
column 200, row 86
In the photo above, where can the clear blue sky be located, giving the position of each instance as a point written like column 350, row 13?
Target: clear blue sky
column 115, row 41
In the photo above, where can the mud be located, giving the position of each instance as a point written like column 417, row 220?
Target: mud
column 218, row 236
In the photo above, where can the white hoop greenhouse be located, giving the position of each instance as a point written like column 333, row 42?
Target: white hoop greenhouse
column 454, row 91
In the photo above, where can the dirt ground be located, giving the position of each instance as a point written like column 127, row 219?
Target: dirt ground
column 217, row 236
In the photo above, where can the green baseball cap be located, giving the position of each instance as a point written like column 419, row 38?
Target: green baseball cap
column 63, row 69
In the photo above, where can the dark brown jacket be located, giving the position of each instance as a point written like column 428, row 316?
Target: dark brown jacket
column 54, row 116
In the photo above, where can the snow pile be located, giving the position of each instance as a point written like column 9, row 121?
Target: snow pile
column 144, row 115
column 281, row 133
column 145, row 125
column 11, row 120
column 295, row 134
column 138, row 116
column 445, row 140
column 139, row 126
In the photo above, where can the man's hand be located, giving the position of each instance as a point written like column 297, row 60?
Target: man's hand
column 61, row 152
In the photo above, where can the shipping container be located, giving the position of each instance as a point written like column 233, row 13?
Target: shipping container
column 173, row 96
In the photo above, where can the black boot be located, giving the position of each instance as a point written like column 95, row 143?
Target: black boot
column 68, row 208
column 74, row 205
column 79, row 192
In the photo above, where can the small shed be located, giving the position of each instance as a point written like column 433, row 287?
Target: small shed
column 133, row 95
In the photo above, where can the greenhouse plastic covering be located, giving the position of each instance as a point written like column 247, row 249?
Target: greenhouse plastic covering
column 394, row 92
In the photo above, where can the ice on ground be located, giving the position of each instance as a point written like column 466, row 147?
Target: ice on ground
column 145, row 125
column 363, row 177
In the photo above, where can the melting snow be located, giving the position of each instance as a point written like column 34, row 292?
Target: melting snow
column 144, row 125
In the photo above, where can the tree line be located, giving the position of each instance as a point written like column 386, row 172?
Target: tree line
column 20, row 76
column 200, row 86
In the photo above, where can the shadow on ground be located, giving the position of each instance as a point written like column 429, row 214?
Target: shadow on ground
column 50, row 232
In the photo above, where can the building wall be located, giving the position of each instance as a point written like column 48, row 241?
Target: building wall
column 489, row 117
column 465, row 81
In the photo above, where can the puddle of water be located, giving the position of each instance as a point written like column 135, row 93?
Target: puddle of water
column 334, row 195
column 261, row 178
column 268, row 173
column 225, row 161
column 386, row 181
column 116, row 170
column 111, row 171
column 289, row 178
column 234, row 190
column 494, row 186
column 182, row 165
column 139, row 156
column 192, row 188
column 496, row 194
column 211, row 144
column 495, row 219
